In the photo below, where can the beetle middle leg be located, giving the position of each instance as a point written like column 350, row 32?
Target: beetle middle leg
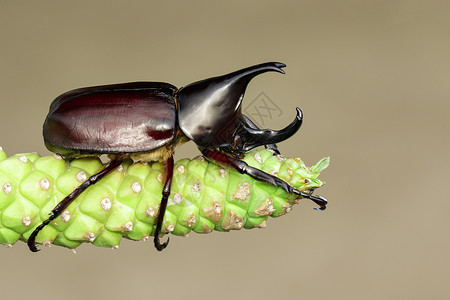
column 163, row 205
column 64, row 203
column 259, row 175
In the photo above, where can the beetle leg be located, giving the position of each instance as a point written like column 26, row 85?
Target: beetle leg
column 61, row 206
column 163, row 205
column 259, row 175
column 271, row 147
column 232, row 152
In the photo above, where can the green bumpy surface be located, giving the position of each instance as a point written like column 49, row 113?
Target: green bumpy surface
column 204, row 197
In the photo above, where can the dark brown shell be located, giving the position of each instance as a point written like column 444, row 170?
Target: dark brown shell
column 119, row 118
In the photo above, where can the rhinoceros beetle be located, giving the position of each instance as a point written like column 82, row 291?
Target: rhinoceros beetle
column 146, row 120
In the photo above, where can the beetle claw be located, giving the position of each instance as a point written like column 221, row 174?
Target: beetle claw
column 319, row 200
column 33, row 248
column 158, row 245
column 32, row 239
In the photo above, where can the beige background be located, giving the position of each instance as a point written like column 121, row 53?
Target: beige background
column 372, row 78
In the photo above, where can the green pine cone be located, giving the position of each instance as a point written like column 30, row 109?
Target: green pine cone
column 204, row 197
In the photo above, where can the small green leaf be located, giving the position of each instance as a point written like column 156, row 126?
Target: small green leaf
column 321, row 165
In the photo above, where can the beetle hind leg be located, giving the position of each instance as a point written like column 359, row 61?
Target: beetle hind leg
column 63, row 204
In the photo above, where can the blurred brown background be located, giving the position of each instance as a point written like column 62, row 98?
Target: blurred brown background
column 372, row 78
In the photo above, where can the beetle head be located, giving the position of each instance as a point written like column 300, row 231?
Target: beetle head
column 209, row 111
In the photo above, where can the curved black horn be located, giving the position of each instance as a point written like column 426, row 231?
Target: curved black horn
column 209, row 111
column 252, row 138
column 250, row 72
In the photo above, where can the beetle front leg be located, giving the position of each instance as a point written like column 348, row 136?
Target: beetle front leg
column 259, row 175
column 64, row 203
column 163, row 205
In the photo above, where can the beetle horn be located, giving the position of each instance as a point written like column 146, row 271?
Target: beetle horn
column 252, row 138
column 209, row 111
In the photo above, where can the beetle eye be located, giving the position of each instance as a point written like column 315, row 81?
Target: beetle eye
column 237, row 141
